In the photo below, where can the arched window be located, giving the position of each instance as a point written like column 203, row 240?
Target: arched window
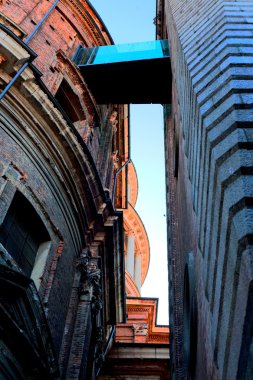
column 24, row 235
column 69, row 102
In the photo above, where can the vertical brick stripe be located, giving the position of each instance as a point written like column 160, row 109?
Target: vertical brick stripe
column 52, row 273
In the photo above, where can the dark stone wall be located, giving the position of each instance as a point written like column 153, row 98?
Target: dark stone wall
column 181, row 231
column 60, row 181
column 25, row 169
column 62, row 167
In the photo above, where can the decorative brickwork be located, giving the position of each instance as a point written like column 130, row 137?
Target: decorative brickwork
column 52, row 136
column 210, row 201
column 141, row 323
column 52, row 273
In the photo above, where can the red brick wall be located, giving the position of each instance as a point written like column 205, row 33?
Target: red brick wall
column 55, row 43
column 63, row 30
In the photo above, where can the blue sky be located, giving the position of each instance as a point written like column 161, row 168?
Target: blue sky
column 128, row 21
column 132, row 21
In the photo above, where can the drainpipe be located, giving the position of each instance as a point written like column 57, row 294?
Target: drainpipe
column 41, row 22
column 125, row 164
column 116, row 176
column 19, row 72
column 109, row 342
column 22, row 68
column 108, row 345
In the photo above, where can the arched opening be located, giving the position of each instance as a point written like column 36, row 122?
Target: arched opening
column 24, row 235
column 69, row 102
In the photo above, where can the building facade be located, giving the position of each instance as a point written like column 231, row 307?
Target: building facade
column 74, row 253
column 62, row 245
column 209, row 160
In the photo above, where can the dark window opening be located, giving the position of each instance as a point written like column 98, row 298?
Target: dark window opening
column 69, row 102
column 190, row 326
column 245, row 367
column 187, row 319
column 22, row 232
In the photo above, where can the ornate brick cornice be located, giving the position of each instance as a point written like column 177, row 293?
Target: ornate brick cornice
column 141, row 324
column 90, row 21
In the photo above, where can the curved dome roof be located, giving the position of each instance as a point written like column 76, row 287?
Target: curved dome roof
column 131, row 288
column 133, row 184
column 133, row 224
